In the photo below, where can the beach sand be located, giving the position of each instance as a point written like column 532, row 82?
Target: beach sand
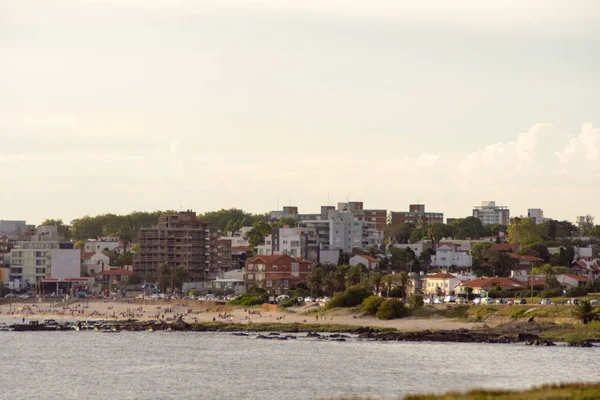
column 107, row 309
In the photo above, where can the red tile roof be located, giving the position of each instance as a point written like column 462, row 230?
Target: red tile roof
column 116, row 272
column 368, row 258
column 525, row 258
column 490, row 283
column 440, row 276
column 87, row 256
column 576, row 277
column 502, row 247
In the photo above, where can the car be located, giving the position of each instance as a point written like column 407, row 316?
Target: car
column 500, row 301
column 140, row 296
column 595, row 302
column 477, row 300
column 461, row 300
column 325, row 299
column 427, row 300
column 437, row 301
column 24, row 296
column 545, row 302
column 487, row 301
column 520, row 301
column 309, row 300
column 10, row 296
column 449, row 299
column 282, row 298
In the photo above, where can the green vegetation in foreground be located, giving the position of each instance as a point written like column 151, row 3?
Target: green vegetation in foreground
column 570, row 391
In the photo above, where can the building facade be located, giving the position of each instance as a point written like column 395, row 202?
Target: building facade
column 537, row 214
column 489, row 213
column 178, row 239
column 415, row 215
column 275, row 273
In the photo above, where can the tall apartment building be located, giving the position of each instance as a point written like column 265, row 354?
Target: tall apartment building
column 178, row 239
column 219, row 252
column 291, row 241
column 415, row 214
column 489, row 213
column 44, row 257
column 349, row 232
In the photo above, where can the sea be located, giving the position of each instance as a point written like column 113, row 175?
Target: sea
column 187, row 365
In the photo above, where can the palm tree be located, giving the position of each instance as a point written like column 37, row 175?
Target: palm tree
column 314, row 280
column 354, row 275
column 585, row 312
column 329, row 283
column 434, row 234
column 389, row 284
column 403, row 280
column 376, row 280
column 340, row 277
column 181, row 275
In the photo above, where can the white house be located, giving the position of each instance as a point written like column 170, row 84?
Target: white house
column 439, row 283
column 447, row 256
column 98, row 246
column 368, row 261
column 95, row 262
column 571, row 280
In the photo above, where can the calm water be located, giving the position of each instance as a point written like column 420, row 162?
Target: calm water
column 169, row 365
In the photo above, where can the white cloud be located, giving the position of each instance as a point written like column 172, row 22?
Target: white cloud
column 584, row 145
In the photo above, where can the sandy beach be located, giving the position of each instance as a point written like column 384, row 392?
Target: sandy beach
column 198, row 312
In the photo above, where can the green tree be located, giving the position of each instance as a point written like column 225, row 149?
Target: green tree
column 376, row 281
column 587, row 227
column 164, row 276
column 340, row 277
column 435, row 233
column 403, row 282
column 315, row 280
column 181, row 276
column 585, row 312
column 80, row 244
column 524, row 232
column 469, row 228
column 390, row 309
column 371, row 304
column 481, row 253
column 416, row 301
column 329, row 283
column 125, row 235
column 354, row 276
column 257, row 234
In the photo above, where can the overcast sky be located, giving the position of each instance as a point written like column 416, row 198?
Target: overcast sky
column 116, row 106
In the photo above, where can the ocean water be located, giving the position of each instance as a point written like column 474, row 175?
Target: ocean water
column 173, row 365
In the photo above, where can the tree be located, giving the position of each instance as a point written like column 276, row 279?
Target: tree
column 538, row 249
column 340, row 277
column 524, row 232
column 469, row 228
column 181, row 275
column 376, row 281
column 164, row 276
column 80, row 244
column 501, row 263
column 585, row 312
column 125, row 235
column 257, row 234
column 389, row 284
column 329, row 283
column 481, row 253
column 587, row 227
column 354, row 275
column 435, row 232
column 315, row 280
column 403, row 282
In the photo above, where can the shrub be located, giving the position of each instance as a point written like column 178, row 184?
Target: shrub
column 551, row 293
column 390, row 309
column 251, row 298
column 371, row 304
column 351, row 297
column 290, row 302
column 336, row 301
column 416, row 301
column 577, row 291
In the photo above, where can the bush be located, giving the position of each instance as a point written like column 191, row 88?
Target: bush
column 251, row 298
column 371, row 304
column 577, row 291
column 416, row 301
column 290, row 302
column 351, row 297
column 551, row 293
column 390, row 309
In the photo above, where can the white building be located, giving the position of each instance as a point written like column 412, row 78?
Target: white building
column 265, row 249
column 95, row 262
column 291, row 241
column 98, row 246
column 489, row 213
column 238, row 238
column 447, row 256
column 537, row 214
column 368, row 261
column 349, row 232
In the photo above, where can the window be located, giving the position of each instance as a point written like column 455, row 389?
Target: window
column 274, row 268
column 269, row 283
column 250, row 277
column 251, row 267
column 296, row 269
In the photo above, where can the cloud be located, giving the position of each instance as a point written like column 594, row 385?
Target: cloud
column 585, row 144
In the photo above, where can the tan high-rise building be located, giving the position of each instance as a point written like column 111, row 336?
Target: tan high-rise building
column 178, row 239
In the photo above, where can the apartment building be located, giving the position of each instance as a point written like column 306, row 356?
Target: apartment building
column 178, row 239
column 378, row 217
column 291, row 241
column 276, row 273
column 44, row 257
column 537, row 214
column 3, row 249
column 489, row 213
column 219, row 251
column 349, row 232
column 415, row 215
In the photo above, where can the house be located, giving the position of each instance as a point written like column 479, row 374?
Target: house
column 439, row 284
column 571, row 280
column 504, row 247
column 523, row 266
column 276, row 273
column 587, row 268
column 446, row 256
column 482, row 285
column 118, row 274
column 366, row 260
column 95, row 262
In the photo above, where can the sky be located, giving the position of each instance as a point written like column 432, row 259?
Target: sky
column 131, row 105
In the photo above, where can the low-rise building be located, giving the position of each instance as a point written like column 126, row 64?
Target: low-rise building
column 94, row 262
column 484, row 285
column 439, row 284
column 415, row 215
column 571, row 280
column 447, row 256
column 276, row 273
column 366, row 260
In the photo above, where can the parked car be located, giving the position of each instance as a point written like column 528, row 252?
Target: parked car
column 546, row 302
column 501, row 301
column 25, row 296
column 10, row 296
column 282, row 298
column 427, row 300
column 595, row 302
column 520, row 301
column 477, row 300
column 487, row 301
column 461, row 300
column 449, row 299
column 437, row 301
column 309, row 300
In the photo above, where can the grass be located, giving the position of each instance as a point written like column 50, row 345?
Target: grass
column 573, row 333
column 571, row 391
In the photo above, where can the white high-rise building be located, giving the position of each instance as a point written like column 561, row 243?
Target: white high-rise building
column 489, row 213
column 537, row 214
